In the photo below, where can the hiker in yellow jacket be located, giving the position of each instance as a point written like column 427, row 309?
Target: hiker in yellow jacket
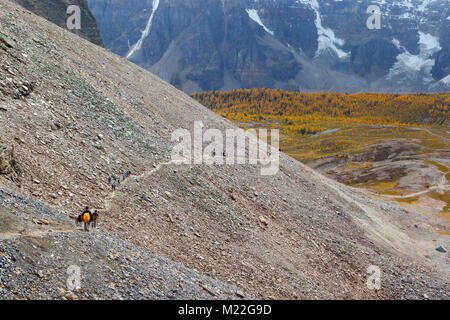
column 87, row 217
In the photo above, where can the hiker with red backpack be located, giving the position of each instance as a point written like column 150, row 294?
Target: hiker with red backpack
column 79, row 219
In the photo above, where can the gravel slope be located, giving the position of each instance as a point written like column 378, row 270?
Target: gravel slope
column 34, row 261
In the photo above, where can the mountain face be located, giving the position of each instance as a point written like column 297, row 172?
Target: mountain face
column 306, row 45
column 56, row 12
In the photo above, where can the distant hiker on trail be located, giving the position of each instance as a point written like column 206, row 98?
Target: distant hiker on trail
column 94, row 219
column 114, row 186
column 87, row 217
column 109, row 180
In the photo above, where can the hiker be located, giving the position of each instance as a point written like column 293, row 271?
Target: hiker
column 109, row 180
column 114, row 186
column 87, row 217
column 94, row 219
column 79, row 219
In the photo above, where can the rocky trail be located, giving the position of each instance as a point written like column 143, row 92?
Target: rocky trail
column 441, row 186
column 145, row 174
column 445, row 138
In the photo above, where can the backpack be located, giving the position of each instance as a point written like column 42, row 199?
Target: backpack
column 87, row 217
column 80, row 218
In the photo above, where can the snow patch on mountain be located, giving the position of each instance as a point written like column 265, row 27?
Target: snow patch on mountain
column 412, row 7
column 424, row 5
column 441, row 85
column 405, row 3
column 446, row 80
column 253, row 14
column 326, row 37
column 428, row 44
column 409, row 62
column 413, row 66
column 146, row 31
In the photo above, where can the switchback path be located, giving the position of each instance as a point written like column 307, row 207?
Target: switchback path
column 144, row 175
column 442, row 185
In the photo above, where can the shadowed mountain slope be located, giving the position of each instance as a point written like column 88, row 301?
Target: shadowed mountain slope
column 56, row 12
